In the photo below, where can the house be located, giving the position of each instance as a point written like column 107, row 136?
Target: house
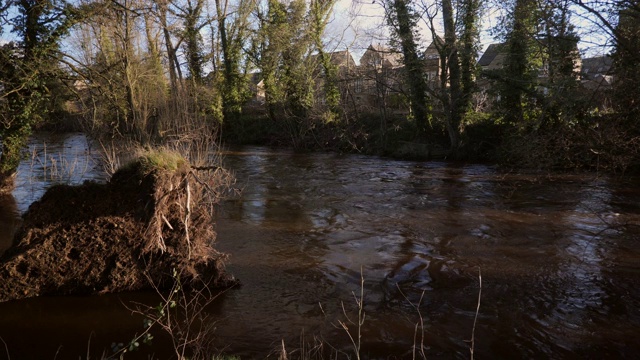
column 596, row 67
column 596, row 80
column 493, row 58
column 342, row 60
column 379, row 80
column 256, row 86
column 346, row 70
column 382, row 79
column 378, row 56
column 432, row 62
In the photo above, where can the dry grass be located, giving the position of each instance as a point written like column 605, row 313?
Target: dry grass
column 318, row 349
column 59, row 168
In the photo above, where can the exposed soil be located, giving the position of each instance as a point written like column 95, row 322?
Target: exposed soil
column 124, row 235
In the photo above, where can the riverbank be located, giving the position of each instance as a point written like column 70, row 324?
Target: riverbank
column 129, row 234
column 598, row 143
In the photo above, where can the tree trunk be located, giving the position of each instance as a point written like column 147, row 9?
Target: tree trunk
column 174, row 76
column 414, row 67
column 453, row 111
column 227, row 105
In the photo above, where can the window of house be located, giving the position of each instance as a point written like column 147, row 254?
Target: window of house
column 358, row 86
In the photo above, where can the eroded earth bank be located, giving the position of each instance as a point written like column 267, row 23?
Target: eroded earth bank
column 128, row 234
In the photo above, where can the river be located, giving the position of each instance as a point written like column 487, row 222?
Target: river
column 555, row 259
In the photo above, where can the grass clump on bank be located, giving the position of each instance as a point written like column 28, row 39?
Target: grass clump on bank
column 161, row 158
column 147, row 160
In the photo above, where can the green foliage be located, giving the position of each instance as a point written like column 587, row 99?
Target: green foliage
column 12, row 144
column 482, row 135
column 23, row 107
column 539, row 78
column 252, row 128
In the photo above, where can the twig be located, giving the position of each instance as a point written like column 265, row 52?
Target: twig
column 475, row 320
column 283, row 352
column 187, row 216
column 205, row 168
column 182, row 316
column 419, row 324
column 166, row 222
column 57, row 352
column 357, row 344
column 6, row 348
column 89, row 346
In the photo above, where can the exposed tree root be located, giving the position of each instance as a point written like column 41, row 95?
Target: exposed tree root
column 98, row 238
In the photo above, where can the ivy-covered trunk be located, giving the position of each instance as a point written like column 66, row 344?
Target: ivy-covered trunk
column 13, row 141
column 23, row 83
column 453, row 106
column 522, row 62
column 402, row 20
column 234, row 84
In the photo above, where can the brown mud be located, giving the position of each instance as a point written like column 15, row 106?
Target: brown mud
column 129, row 234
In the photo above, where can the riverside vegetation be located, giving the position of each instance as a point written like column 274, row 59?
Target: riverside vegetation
column 150, row 71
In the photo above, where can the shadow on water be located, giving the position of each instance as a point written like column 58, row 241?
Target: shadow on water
column 559, row 257
column 9, row 220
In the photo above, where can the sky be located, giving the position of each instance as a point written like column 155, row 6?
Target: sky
column 369, row 28
column 358, row 23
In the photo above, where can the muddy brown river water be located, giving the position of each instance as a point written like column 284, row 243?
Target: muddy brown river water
column 558, row 255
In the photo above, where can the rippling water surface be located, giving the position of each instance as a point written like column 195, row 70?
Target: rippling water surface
column 558, row 256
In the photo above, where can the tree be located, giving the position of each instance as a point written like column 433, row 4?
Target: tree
column 518, row 78
column 402, row 20
column 232, row 37
column 29, row 71
column 457, row 53
column 282, row 51
column 470, row 13
column 192, row 18
column 267, row 44
column 559, row 42
column 626, row 59
column 450, row 60
column 175, row 73
column 319, row 13
column 111, row 68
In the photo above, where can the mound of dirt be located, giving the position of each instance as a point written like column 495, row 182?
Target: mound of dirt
column 127, row 234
